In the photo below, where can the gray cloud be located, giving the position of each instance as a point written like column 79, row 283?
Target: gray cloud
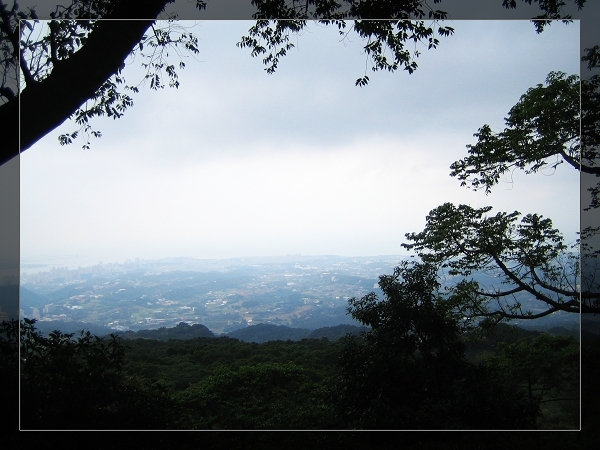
column 237, row 162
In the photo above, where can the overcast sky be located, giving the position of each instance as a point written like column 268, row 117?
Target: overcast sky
column 240, row 163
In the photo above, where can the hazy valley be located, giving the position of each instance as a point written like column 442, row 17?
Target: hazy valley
column 306, row 292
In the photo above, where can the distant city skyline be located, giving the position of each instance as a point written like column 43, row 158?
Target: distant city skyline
column 75, row 262
column 239, row 163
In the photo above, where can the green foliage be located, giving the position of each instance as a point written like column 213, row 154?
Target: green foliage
column 410, row 371
column 386, row 40
column 590, row 128
column 109, row 101
column 9, row 345
column 336, row 332
column 44, row 48
column 530, row 257
column 261, row 396
column 79, row 384
column 553, row 10
column 546, row 370
column 181, row 331
column 414, row 316
column 264, row 332
column 178, row 364
column 542, row 132
column 410, row 374
column 483, row 398
column 552, row 123
column 482, row 343
column 54, row 378
column 27, row 58
column 273, row 36
column 549, row 362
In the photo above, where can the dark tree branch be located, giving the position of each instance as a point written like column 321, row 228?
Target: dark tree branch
column 504, row 315
column 76, row 79
column 500, row 294
column 29, row 79
column 53, row 52
column 525, row 287
column 550, row 287
column 591, row 170
column 574, row 163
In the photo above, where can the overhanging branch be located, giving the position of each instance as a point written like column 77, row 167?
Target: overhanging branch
column 47, row 104
column 500, row 294
column 550, row 287
column 525, row 287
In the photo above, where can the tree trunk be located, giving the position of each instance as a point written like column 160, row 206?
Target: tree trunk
column 47, row 104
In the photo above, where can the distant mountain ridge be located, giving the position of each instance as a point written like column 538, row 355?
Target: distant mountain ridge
column 264, row 332
column 259, row 333
column 182, row 331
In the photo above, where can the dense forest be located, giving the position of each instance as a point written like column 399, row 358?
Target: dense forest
column 502, row 378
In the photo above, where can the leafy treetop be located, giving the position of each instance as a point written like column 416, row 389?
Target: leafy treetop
column 542, row 132
column 528, row 256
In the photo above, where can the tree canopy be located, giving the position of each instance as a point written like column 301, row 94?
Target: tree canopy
column 70, row 66
column 542, row 132
column 410, row 370
column 553, row 123
column 525, row 253
column 68, row 383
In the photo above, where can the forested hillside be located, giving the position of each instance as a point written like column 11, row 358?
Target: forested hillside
column 225, row 383
column 263, row 332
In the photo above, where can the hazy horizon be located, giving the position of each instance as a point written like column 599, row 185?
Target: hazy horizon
column 72, row 262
